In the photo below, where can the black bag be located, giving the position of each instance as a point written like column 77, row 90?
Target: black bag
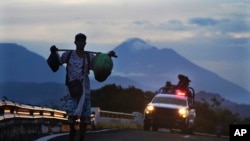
column 53, row 62
column 75, row 88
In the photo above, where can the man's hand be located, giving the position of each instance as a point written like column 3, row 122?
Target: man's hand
column 112, row 54
column 53, row 49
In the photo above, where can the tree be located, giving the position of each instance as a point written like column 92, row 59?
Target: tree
column 116, row 98
column 210, row 114
column 5, row 98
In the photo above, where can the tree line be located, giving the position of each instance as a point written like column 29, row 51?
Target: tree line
column 116, row 98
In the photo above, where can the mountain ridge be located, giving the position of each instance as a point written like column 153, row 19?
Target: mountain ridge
column 161, row 65
column 146, row 67
column 23, row 65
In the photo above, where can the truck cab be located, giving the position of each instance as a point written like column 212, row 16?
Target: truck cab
column 171, row 109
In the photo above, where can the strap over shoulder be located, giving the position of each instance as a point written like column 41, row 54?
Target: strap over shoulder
column 87, row 57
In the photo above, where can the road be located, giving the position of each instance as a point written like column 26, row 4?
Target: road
column 140, row 135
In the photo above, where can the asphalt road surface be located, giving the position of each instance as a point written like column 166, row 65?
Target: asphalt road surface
column 140, row 135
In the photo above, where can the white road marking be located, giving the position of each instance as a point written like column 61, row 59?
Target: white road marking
column 46, row 138
column 51, row 136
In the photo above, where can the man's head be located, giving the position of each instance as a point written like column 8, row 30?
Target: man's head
column 80, row 41
column 183, row 78
column 80, row 37
column 168, row 84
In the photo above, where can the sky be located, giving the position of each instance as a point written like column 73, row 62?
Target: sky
column 214, row 34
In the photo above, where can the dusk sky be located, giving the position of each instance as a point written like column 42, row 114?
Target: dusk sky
column 214, row 34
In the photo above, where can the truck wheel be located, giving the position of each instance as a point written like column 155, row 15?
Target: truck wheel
column 190, row 130
column 187, row 130
column 146, row 126
column 184, row 129
column 155, row 128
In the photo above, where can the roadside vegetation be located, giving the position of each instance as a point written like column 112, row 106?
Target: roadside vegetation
column 210, row 113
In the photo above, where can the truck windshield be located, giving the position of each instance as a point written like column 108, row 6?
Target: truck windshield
column 170, row 100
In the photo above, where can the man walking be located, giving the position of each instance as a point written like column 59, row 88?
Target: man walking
column 78, row 86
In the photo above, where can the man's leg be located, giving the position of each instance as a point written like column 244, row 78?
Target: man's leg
column 72, row 131
column 70, row 106
column 84, row 121
column 85, row 117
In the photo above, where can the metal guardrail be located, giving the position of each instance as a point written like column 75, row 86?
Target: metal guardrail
column 12, row 110
column 109, row 114
column 23, row 119
column 9, row 110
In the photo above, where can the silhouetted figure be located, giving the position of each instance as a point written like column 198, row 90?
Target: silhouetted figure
column 169, row 88
column 78, row 103
column 183, row 82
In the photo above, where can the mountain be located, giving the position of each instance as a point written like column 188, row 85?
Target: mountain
column 25, row 77
column 138, row 64
column 241, row 109
column 21, row 65
column 118, row 80
column 151, row 66
column 33, row 93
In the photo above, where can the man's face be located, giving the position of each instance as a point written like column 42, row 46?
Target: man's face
column 80, row 44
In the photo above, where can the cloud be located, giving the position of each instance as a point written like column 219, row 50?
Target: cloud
column 131, row 74
column 152, row 20
column 204, row 21
column 241, row 35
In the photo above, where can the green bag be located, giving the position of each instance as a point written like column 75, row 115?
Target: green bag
column 102, row 66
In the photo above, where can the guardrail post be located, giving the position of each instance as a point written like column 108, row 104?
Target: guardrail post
column 138, row 117
column 97, row 113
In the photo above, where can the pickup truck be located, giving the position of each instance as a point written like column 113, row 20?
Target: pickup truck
column 173, row 110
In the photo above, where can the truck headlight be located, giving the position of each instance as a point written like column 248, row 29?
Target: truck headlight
column 183, row 112
column 149, row 109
